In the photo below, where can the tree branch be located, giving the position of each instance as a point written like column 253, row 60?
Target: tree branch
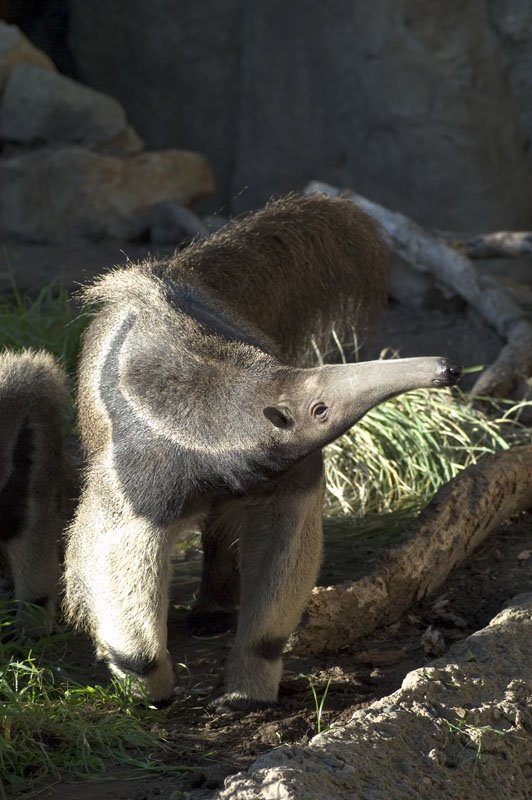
column 499, row 244
column 457, row 519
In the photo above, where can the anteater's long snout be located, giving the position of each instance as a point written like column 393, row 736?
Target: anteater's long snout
column 352, row 389
column 343, row 393
column 448, row 373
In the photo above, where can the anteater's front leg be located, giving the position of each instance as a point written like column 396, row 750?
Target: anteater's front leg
column 117, row 576
column 34, row 568
column 280, row 554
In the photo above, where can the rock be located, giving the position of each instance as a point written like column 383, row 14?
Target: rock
column 127, row 142
column 170, row 223
column 16, row 49
column 175, row 72
column 445, row 733
column 60, row 195
column 512, row 23
column 404, row 101
column 39, row 106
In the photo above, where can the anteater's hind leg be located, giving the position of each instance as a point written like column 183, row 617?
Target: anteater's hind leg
column 216, row 608
column 117, row 576
column 280, row 554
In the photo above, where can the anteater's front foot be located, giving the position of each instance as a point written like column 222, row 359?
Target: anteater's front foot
column 235, row 702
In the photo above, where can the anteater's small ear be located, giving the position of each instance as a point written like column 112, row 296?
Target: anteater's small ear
column 280, row 416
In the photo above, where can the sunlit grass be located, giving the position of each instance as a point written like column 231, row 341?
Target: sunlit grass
column 404, row 450
column 52, row 725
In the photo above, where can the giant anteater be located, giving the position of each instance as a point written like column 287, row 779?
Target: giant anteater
column 197, row 407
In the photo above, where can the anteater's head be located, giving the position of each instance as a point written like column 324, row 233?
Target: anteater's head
column 312, row 407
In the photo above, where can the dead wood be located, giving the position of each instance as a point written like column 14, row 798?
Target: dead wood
column 498, row 244
column 457, row 519
column 428, row 253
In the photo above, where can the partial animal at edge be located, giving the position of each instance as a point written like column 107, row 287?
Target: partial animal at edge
column 36, row 483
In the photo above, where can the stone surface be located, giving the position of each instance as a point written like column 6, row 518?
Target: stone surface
column 60, row 195
column 39, row 106
column 460, row 727
column 512, row 23
column 175, row 68
column 15, row 49
column 406, row 102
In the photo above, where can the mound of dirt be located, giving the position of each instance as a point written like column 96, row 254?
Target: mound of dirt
column 460, row 727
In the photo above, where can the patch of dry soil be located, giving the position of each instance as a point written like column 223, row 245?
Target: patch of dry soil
column 461, row 727
column 214, row 747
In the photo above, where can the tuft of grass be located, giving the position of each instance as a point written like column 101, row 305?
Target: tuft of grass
column 319, row 702
column 52, row 726
column 471, row 737
column 404, row 450
column 46, row 320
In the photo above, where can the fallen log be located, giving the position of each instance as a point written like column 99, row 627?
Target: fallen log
column 498, row 244
column 456, row 520
column 427, row 253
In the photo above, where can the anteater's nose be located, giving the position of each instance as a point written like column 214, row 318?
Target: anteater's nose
column 447, row 373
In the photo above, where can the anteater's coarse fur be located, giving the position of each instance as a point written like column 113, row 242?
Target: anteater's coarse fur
column 35, row 482
column 191, row 412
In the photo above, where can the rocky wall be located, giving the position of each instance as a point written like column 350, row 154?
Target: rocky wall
column 422, row 106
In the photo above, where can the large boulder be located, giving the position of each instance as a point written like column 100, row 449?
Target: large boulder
column 60, row 195
column 15, row 49
column 39, row 106
column 405, row 101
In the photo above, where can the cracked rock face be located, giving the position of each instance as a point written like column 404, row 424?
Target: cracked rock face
column 460, row 727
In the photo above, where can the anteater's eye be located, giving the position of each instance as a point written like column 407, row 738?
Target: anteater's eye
column 319, row 411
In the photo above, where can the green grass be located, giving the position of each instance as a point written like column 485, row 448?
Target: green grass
column 53, row 725
column 46, row 320
column 404, row 450
column 319, row 702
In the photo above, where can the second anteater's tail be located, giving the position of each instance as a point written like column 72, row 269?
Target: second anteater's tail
column 296, row 269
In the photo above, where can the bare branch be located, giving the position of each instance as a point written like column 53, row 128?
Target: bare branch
column 499, row 244
column 457, row 519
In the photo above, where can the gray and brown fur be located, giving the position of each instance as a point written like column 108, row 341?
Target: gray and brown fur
column 35, row 481
column 193, row 411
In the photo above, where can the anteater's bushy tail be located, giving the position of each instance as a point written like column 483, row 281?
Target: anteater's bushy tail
column 295, row 269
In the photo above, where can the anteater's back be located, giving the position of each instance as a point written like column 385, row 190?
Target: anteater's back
column 294, row 269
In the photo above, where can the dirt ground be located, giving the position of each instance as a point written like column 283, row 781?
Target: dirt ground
column 211, row 746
